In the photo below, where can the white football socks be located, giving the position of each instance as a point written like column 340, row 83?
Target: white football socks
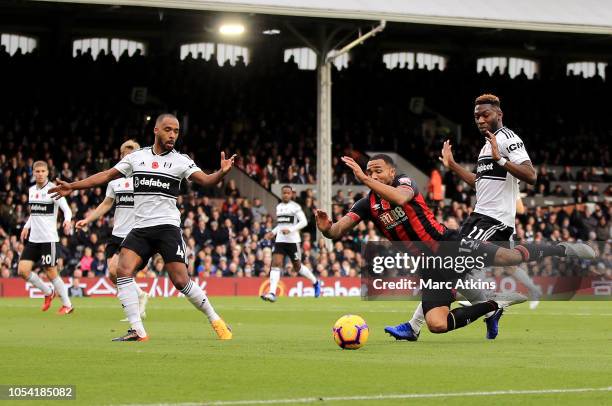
column 307, row 273
column 198, row 298
column 275, row 274
column 37, row 282
column 418, row 319
column 475, row 296
column 521, row 276
column 140, row 291
column 128, row 295
column 60, row 288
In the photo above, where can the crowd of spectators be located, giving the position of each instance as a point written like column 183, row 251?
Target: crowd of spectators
column 75, row 112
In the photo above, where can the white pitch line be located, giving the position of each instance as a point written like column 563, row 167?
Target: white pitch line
column 511, row 312
column 383, row 397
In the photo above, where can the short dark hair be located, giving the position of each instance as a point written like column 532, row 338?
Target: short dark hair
column 163, row 116
column 488, row 98
column 388, row 160
column 287, row 187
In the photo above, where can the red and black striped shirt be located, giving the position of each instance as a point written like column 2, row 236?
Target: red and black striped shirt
column 412, row 221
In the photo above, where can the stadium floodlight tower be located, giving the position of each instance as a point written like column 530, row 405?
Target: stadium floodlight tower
column 324, row 119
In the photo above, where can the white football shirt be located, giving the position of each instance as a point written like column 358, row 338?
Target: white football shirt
column 496, row 189
column 122, row 191
column 157, row 182
column 289, row 216
column 43, row 214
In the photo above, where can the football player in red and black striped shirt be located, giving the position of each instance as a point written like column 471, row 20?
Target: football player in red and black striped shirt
column 400, row 213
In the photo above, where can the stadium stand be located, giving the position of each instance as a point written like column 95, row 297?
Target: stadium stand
column 95, row 104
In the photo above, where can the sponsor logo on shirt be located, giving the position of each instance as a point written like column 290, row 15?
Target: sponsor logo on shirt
column 124, row 199
column 484, row 167
column 138, row 182
column 515, row 146
column 148, row 184
column 393, row 217
column 41, row 208
column 284, row 219
column 490, row 169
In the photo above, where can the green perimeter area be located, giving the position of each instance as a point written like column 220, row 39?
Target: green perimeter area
column 285, row 350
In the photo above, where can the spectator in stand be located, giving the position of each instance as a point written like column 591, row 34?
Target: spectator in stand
column 231, row 189
column 75, row 290
column 85, row 263
column 252, row 168
column 99, row 266
column 566, row 175
column 559, row 192
column 435, row 192
column 578, row 194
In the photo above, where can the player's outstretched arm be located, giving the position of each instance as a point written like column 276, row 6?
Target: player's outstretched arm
column 397, row 195
column 449, row 161
column 334, row 230
column 98, row 212
column 64, row 189
column 204, row 179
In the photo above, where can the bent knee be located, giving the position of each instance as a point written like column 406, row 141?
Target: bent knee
column 23, row 273
column 437, row 326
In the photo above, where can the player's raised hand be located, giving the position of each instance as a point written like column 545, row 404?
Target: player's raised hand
column 81, row 224
column 62, row 189
column 323, row 221
column 67, row 227
column 494, row 148
column 357, row 171
column 226, row 164
column 447, row 154
column 24, row 234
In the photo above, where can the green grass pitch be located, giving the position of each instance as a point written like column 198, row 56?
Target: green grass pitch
column 285, row 350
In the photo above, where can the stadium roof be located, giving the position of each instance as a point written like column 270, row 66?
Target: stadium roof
column 579, row 16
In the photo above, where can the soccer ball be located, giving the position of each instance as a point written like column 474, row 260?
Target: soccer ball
column 351, row 332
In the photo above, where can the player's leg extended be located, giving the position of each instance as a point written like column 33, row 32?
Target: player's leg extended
column 197, row 297
column 475, row 296
column 60, row 289
column 112, row 263
column 408, row 331
column 275, row 274
column 441, row 319
column 127, row 293
column 535, row 251
column 24, row 269
column 307, row 273
column 143, row 298
column 535, row 292
column 437, row 301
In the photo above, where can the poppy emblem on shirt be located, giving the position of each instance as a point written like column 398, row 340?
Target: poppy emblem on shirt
column 155, row 165
column 37, row 195
column 127, row 184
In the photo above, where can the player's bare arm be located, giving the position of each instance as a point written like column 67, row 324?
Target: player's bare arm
column 204, row 179
column 520, row 207
column 24, row 233
column 524, row 171
column 397, row 195
column 99, row 211
column 334, row 230
column 63, row 189
column 448, row 161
